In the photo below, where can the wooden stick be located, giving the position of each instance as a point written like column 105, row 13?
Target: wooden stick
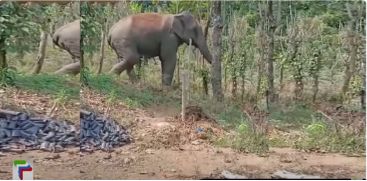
column 335, row 123
column 185, row 83
column 326, row 116
column 184, row 93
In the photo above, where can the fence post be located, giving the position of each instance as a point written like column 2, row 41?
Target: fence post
column 185, row 85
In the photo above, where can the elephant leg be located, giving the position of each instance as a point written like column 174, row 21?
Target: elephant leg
column 127, row 64
column 132, row 76
column 168, row 64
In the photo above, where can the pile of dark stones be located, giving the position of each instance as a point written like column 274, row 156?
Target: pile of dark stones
column 19, row 132
column 97, row 132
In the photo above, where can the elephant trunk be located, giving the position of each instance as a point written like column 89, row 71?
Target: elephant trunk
column 204, row 50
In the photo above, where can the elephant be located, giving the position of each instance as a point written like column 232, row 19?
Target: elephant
column 150, row 35
column 67, row 37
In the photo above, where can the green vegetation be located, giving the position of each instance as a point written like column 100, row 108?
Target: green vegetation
column 320, row 137
column 47, row 83
column 245, row 139
column 131, row 96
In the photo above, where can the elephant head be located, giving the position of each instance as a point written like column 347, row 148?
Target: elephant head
column 186, row 27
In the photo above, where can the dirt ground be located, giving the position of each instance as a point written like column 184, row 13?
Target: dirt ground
column 161, row 150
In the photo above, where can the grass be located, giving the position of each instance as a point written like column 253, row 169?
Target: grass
column 49, row 84
column 244, row 139
column 131, row 96
column 320, row 136
column 293, row 116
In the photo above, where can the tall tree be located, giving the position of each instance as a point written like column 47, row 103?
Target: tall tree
column 270, row 22
column 217, row 45
column 351, row 40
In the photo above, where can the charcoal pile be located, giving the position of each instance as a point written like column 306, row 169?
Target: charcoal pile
column 100, row 133
column 19, row 131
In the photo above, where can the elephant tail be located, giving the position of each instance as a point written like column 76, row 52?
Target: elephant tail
column 55, row 39
column 109, row 40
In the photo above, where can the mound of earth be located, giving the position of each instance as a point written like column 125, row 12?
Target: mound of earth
column 173, row 132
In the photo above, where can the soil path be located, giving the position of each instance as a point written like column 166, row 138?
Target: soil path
column 148, row 158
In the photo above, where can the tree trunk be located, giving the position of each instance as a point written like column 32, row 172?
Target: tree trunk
column 3, row 62
column 352, row 51
column 217, row 41
column 206, row 29
column 101, row 56
column 242, row 87
column 233, row 68
column 315, row 86
column 281, row 78
column 41, row 53
column 298, row 91
column 350, row 68
column 294, row 44
column 234, row 87
column 363, row 90
column 225, row 77
column 270, row 59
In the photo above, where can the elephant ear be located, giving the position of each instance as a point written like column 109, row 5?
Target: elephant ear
column 182, row 24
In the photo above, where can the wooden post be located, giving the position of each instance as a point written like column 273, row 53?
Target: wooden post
column 101, row 53
column 184, row 79
column 185, row 85
column 41, row 53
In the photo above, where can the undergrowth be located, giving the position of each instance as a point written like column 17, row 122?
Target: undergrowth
column 245, row 140
column 319, row 136
column 130, row 95
column 48, row 83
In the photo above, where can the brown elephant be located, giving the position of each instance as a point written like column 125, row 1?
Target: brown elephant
column 67, row 37
column 150, row 35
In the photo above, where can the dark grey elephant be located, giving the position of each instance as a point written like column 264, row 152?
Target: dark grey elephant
column 149, row 35
column 67, row 37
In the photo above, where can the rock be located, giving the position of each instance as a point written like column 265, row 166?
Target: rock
column 228, row 175
column 173, row 170
column 285, row 158
column 143, row 172
column 126, row 161
column 227, row 159
column 109, row 156
column 149, row 151
column 283, row 174
column 53, row 157
column 196, row 142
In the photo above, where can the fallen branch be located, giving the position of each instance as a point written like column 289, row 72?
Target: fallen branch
column 331, row 121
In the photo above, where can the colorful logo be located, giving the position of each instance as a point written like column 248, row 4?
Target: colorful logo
column 22, row 170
